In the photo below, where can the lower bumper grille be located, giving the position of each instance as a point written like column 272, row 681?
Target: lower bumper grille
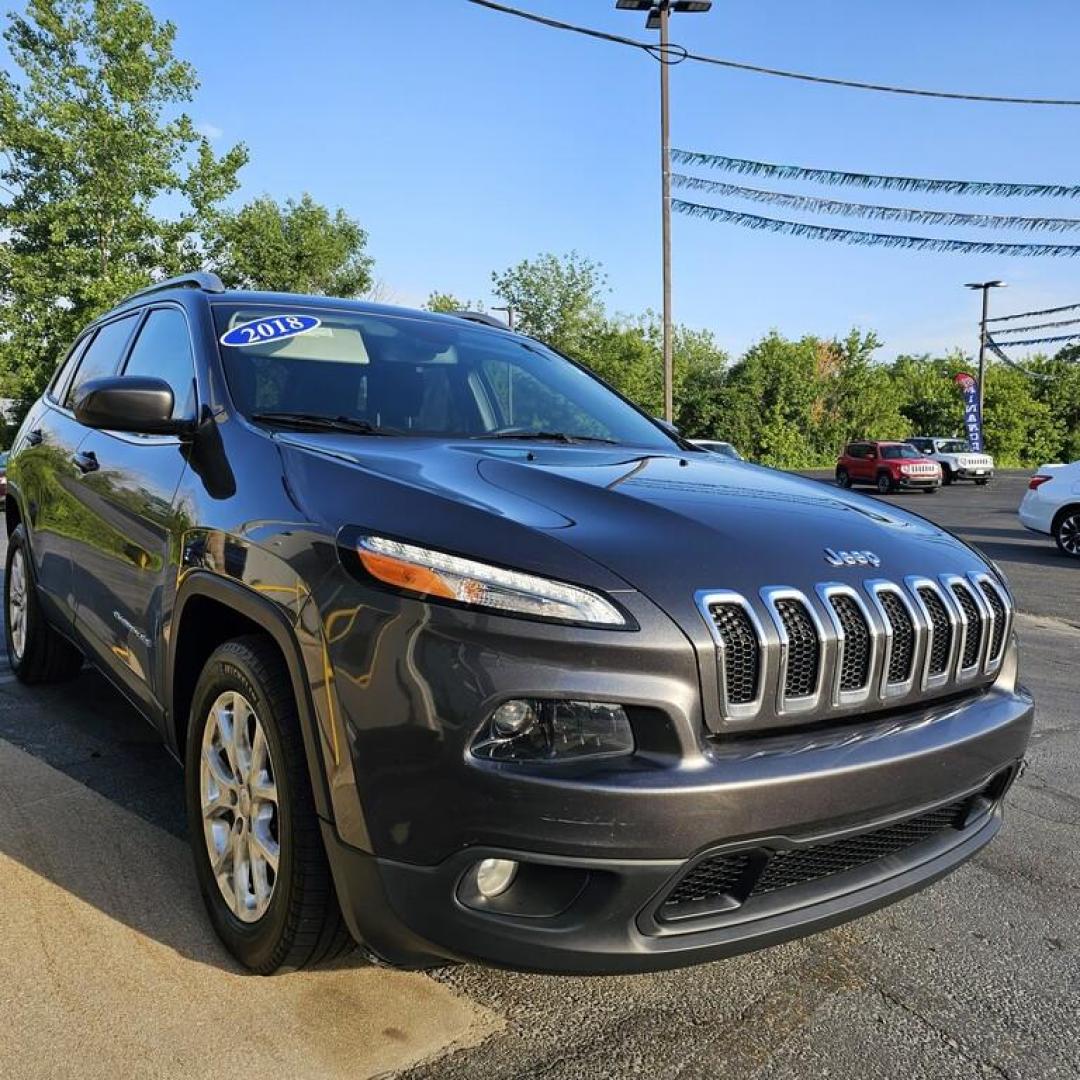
column 725, row 882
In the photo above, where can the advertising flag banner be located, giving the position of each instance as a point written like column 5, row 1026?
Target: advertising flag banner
column 969, row 387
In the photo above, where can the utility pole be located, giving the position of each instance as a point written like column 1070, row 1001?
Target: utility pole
column 659, row 19
column 509, row 309
column 985, row 286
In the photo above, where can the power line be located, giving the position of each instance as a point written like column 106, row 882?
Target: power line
column 1030, row 314
column 871, row 239
column 869, row 210
column 676, row 54
column 842, row 178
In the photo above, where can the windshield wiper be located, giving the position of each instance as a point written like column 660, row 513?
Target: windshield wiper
column 545, row 436
column 318, row 422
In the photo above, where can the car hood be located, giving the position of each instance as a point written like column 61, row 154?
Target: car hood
column 667, row 524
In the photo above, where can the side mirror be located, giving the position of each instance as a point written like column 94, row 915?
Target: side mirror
column 140, row 404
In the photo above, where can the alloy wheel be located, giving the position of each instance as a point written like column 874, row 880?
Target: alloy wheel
column 241, row 818
column 1069, row 534
column 16, row 614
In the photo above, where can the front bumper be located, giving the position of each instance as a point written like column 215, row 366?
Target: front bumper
column 921, row 483
column 974, row 474
column 583, row 912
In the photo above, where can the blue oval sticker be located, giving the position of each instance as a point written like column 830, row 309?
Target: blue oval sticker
column 272, row 328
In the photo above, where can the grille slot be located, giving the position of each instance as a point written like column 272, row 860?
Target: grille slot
column 941, row 638
column 720, row 882
column 903, row 637
column 804, row 648
column 855, row 669
column 741, row 652
column 997, row 606
column 973, row 633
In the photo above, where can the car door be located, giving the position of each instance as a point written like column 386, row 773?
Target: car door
column 45, row 472
column 127, row 561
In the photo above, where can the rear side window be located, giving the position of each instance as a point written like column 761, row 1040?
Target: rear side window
column 163, row 349
column 103, row 355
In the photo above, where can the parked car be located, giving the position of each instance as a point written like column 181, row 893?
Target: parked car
column 957, row 460
column 3, row 475
column 466, row 657
column 1051, row 505
column 889, row 466
column 716, row 446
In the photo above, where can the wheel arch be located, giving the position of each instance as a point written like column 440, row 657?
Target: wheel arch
column 210, row 610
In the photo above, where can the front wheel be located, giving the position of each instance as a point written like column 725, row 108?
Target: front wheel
column 1067, row 533
column 884, row 483
column 258, row 849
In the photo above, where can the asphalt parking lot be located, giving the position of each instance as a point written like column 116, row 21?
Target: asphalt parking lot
column 108, row 968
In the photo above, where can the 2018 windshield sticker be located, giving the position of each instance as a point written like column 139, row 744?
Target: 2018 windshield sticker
column 272, row 328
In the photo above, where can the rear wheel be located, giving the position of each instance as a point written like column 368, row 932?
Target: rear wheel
column 258, row 849
column 884, row 483
column 35, row 651
column 1067, row 532
column 843, row 478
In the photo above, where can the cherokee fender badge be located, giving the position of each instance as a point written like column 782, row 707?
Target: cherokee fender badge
column 851, row 558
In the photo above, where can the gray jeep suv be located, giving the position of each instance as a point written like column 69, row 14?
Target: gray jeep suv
column 466, row 657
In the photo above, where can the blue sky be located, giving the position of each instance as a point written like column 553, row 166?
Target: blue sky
column 464, row 141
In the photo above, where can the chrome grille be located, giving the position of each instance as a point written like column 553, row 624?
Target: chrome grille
column 855, row 665
column 973, row 625
column 854, row 645
column 902, row 656
column 740, row 652
column 941, row 631
column 804, row 649
column 998, row 610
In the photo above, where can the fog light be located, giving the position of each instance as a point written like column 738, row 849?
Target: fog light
column 495, row 876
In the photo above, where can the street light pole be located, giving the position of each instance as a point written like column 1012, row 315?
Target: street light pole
column 985, row 286
column 659, row 15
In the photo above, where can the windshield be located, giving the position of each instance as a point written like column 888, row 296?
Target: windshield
column 952, row 446
column 397, row 374
column 894, row 452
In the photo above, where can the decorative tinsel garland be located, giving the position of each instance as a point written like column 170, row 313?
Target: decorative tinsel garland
column 993, row 346
column 840, row 178
column 1043, row 340
column 815, row 205
column 870, row 239
column 1034, row 326
column 1032, row 314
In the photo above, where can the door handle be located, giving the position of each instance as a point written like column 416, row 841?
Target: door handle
column 86, row 463
column 34, row 437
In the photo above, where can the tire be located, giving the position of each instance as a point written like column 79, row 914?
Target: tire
column 270, row 920
column 35, row 651
column 946, row 475
column 843, row 478
column 1067, row 532
column 884, row 483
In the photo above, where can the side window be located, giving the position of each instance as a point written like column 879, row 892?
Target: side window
column 163, row 349
column 63, row 372
column 103, row 355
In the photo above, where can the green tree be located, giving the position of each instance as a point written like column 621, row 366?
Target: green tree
column 300, row 247
column 445, row 302
column 927, row 395
column 92, row 141
column 556, row 299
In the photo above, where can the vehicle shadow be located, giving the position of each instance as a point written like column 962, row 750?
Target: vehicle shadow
column 92, row 802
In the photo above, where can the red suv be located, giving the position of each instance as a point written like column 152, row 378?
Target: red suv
column 887, row 465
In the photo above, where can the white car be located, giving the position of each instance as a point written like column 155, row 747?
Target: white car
column 1052, row 505
column 957, row 461
column 716, row 446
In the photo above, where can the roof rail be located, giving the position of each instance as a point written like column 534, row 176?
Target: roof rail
column 197, row 279
column 480, row 317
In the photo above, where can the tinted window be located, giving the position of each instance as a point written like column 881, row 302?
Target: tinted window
column 63, row 373
column 163, row 349
column 897, row 453
column 858, row 450
column 103, row 355
column 438, row 378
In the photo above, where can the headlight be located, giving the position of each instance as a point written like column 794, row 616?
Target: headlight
column 449, row 577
